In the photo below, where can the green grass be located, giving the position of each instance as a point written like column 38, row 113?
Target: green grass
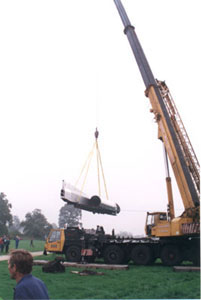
column 25, row 244
column 138, row 282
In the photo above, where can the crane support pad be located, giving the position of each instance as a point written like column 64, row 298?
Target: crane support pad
column 186, row 269
column 80, row 265
column 95, row 204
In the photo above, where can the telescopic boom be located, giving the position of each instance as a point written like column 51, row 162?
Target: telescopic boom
column 187, row 182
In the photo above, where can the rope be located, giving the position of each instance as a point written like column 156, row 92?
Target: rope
column 99, row 166
column 88, row 160
column 86, row 174
column 102, row 172
column 97, row 157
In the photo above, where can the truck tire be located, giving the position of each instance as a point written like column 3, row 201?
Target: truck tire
column 73, row 253
column 142, row 255
column 113, row 254
column 170, row 255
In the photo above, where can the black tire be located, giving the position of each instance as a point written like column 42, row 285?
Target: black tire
column 142, row 255
column 113, row 254
column 170, row 255
column 73, row 254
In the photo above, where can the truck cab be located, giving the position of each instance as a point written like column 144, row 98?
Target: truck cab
column 69, row 241
column 55, row 241
column 157, row 224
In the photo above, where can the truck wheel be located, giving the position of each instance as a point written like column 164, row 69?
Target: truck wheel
column 170, row 255
column 142, row 255
column 113, row 255
column 73, row 254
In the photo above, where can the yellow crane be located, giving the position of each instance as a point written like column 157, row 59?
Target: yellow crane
column 170, row 238
column 177, row 146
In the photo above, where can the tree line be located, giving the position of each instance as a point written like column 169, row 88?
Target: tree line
column 35, row 225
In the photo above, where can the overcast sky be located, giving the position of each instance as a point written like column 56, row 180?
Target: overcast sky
column 66, row 67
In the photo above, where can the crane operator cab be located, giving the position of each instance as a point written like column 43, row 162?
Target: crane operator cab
column 157, row 224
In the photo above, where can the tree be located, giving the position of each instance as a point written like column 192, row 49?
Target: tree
column 69, row 215
column 5, row 214
column 54, row 226
column 15, row 228
column 36, row 225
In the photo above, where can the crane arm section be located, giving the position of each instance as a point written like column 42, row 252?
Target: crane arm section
column 181, row 155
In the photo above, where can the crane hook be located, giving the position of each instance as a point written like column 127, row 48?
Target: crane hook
column 96, row 133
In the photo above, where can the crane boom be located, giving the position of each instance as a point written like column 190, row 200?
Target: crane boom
column 181, row 155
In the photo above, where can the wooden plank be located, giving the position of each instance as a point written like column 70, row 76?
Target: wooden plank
column 84, row 273
column 186, row 269
column 40, row 262
column 85, row 265
column 96, row 266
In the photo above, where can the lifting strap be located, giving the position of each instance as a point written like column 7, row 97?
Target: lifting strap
column 99, row 166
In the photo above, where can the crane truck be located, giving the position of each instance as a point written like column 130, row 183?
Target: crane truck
column 172, row 239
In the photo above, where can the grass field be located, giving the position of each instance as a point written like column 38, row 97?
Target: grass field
column 25, row 244
column 138, row 282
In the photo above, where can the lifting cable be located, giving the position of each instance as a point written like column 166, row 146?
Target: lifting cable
column 86, row 165
column 99, row 166
column 99, row 161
